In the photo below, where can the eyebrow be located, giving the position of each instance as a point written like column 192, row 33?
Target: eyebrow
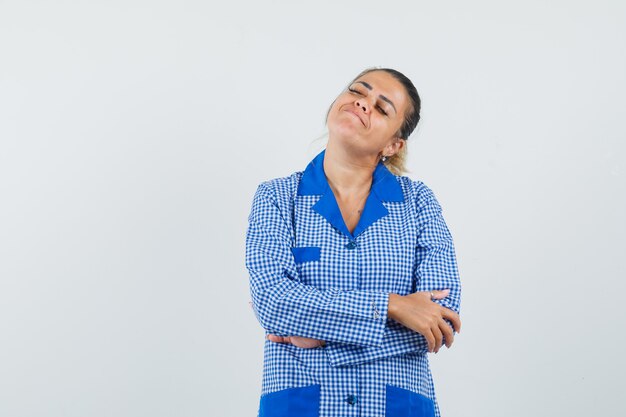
column 369, row 87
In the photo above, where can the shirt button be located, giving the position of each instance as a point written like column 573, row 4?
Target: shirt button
column 351, row 399
column 351, row 245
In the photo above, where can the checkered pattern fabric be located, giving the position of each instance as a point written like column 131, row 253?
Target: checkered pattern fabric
column 311, row 277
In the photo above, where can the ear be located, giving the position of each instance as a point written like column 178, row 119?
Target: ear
column 394, row 147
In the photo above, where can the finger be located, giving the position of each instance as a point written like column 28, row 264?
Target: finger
column 438, row 338
column 277, row 339
column 304, row 342
column 453, row 317
column 440, row 294
column 448, row 334
column 430, row 338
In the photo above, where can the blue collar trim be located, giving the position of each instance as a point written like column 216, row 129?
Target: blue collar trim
column 385, row 187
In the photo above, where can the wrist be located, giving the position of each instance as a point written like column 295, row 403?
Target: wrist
column 392, row 306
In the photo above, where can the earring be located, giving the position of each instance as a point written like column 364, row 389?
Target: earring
column 383, row 158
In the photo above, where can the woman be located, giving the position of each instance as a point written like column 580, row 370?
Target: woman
column 352, row 268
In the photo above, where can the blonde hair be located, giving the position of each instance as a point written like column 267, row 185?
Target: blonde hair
column 397, row 163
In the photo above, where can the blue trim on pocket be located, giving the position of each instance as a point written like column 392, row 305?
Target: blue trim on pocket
column 402, row 402
column 292, row 402
column 306, row 254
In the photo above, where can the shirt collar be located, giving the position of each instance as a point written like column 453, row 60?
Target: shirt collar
column 384, row 183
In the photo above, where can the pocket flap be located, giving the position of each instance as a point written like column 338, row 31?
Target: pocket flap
column 306, row 254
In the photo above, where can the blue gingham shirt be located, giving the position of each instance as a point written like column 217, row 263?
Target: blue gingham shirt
column 311, row 277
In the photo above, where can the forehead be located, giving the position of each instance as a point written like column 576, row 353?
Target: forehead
column 385, row 84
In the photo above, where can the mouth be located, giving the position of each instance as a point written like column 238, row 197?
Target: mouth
column 357, row 116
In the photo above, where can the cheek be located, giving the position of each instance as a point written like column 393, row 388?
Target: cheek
column 384, row 126
column 334, row 110
column 395, row 126
column 331, row 108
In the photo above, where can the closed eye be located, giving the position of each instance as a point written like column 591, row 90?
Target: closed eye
column 380, row 109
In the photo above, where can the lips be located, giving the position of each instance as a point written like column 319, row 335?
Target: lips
column 357, row 115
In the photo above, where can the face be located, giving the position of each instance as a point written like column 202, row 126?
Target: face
column 366, row 117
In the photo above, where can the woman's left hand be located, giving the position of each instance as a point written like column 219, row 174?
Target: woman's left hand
column 301, row 342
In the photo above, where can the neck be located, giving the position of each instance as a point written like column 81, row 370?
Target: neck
column 346, row 174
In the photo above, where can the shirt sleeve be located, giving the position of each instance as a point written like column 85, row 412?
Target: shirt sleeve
column 287, row 307
column 436, row 269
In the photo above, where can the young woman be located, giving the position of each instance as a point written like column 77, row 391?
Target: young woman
column 352, row 268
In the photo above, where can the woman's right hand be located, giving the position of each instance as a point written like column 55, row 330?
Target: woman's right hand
column 419, row 313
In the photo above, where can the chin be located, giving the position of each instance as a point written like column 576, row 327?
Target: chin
column 351, row 143
column 344, row 127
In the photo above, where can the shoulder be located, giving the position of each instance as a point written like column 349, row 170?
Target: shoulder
column 422, row 199
column 280, row 190
column 417, row 193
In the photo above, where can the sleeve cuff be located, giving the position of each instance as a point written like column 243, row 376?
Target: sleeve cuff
column 338, row 352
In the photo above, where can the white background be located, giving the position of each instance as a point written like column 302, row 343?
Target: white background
column 134, row 133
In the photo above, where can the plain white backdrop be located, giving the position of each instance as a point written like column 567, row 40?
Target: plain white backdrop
column 133, row 135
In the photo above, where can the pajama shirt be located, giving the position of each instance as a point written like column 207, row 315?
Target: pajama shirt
column 311, row 277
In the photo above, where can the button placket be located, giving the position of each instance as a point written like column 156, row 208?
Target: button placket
column 351, row 245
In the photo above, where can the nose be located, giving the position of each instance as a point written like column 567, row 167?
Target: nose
column 362, row 104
